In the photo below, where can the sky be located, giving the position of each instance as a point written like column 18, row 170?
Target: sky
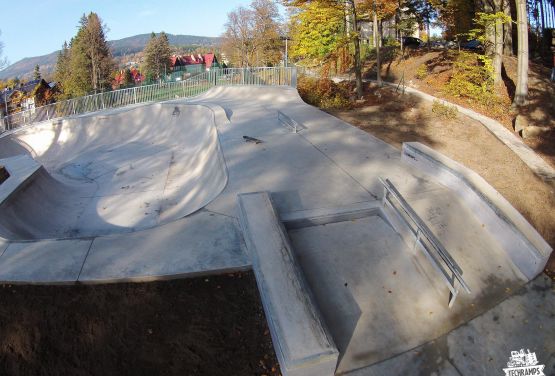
column 38, row 27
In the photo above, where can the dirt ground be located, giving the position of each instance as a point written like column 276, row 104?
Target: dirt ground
column 397, row 118
column 203, row 326
column 540, row 110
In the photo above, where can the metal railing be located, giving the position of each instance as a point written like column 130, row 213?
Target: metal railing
column 273, row 76
column 438, row 256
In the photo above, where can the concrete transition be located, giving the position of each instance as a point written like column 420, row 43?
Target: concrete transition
column 163, row 191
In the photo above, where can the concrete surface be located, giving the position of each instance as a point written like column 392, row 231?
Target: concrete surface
column 172, row 250
column 49, row 261
column 523, row 244
column 301, row 340
column 482, row 346
column 380, row 297
column 118, row 171
column 21, row 168
column 327, row 165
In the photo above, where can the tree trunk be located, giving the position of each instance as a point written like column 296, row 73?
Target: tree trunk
column 356, row 40
column 378, row 62
column 522, row 71
column 498, row 54
column 508, row 30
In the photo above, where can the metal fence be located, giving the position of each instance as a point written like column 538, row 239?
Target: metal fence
column 273, row 76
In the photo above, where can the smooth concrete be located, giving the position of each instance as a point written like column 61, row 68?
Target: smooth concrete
column 380, row 297
column 49, row 261
column 522, row 243
column 114, row 172
column 328, row 165
column 301, row 339
column 483, row 345
column 21, row 169
column 180, row 248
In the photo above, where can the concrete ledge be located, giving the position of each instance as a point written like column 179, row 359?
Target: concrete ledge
column 21, row 168
column 523, row 244
column 301, row 340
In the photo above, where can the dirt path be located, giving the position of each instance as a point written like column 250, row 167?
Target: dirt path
column 397, row 118
column 203, row 326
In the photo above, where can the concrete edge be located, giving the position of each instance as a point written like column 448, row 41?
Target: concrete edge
column 138, row 279
column 21, row 168
column 524, row 245
column 523, row 151
column 266, row 237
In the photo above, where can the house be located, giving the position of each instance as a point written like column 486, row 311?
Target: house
column 194, row 63
column 27, row 96
column 4, row 100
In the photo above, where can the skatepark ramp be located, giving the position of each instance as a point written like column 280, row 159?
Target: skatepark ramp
column 116, row 172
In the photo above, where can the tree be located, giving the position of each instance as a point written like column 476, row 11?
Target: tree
column 252, row 35
column 157, row 56
column 96, row 50
column 317, row 31
column 425, row 11
column 85, row 65
column 522, row 69
column 62, row 72
column 36, row 73
column 3, row 60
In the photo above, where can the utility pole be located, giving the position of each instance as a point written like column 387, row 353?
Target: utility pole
column 286, row 38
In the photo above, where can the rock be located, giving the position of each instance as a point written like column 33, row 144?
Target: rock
column 520, row 123
column 534, row 131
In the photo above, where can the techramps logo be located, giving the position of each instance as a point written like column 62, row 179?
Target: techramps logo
column 523, row 364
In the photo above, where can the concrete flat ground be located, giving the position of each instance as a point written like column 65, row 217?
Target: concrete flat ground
column 351, row 266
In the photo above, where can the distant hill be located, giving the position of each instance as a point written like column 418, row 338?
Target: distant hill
column 120, row 47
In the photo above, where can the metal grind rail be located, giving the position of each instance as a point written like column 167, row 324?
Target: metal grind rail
column 438, row 256
column 256, row 76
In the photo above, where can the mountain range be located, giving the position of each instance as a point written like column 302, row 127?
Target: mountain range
column 120, row 47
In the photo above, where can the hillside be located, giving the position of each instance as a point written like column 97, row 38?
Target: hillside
column 120, row 47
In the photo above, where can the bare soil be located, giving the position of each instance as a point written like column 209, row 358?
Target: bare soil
column 202, row 326
column 540, row 110
column 396, row 118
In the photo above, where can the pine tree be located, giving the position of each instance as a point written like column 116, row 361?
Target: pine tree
column 36, row 73
column 85, row 65
column 157, row 55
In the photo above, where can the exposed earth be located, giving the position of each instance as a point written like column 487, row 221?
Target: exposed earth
column 202, row 326
column 539, row 111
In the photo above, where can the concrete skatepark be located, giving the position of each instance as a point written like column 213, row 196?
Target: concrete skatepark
column 173, row 189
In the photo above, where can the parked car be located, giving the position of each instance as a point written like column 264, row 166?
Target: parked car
column 472, row 45
column 412, row 42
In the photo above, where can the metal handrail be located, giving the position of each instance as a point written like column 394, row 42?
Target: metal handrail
column 269, row 76
column 421, row 230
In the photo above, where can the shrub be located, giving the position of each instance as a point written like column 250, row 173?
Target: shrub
column 472, row 78
column 444, row 111
column 422, row 71
column 323, row 93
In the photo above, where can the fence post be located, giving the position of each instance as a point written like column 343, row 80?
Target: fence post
column 135, row 94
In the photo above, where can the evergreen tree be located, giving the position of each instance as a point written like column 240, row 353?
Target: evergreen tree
column 36, row 73
column 85, row 65
column 157, row 56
